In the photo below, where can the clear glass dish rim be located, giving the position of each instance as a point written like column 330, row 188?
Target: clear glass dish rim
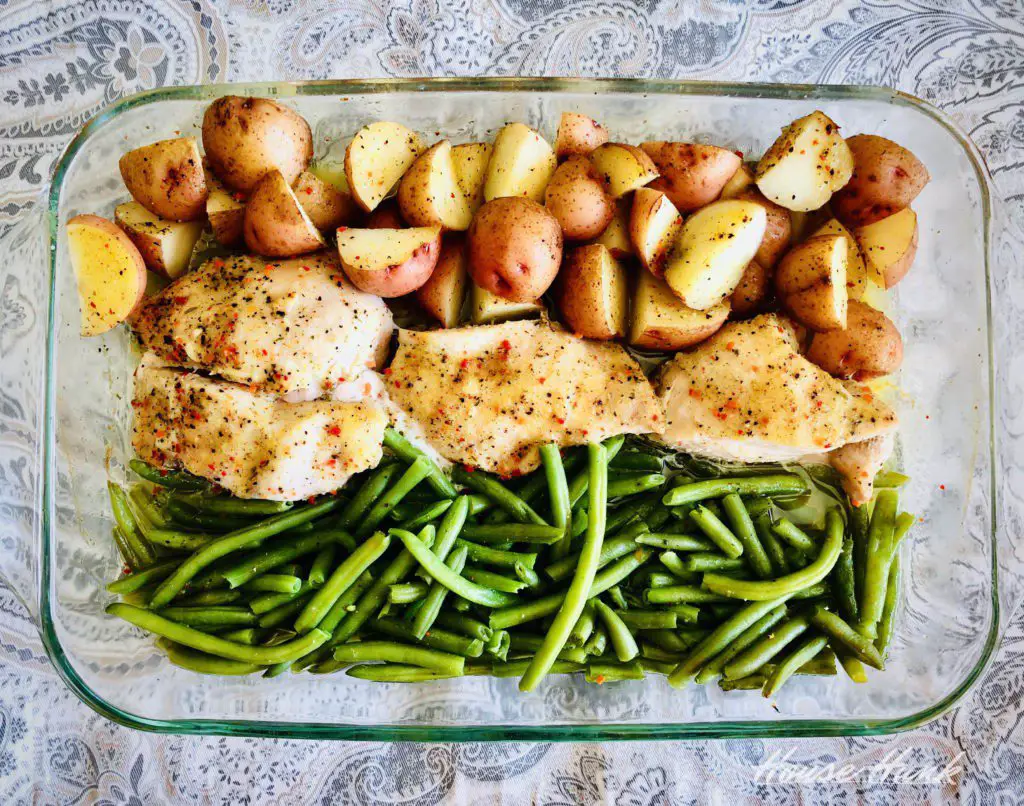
column 793, row 728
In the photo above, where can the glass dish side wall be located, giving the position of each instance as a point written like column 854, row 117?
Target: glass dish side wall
column 946, row 629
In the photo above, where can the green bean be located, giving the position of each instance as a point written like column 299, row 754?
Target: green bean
column 662, row 667
column 558, row 495
column 515, row 668
column 127, row 554
column 629, row 512
column 657, row 519
column 367, row 495
column 619, row 570
column 528, row 576
column 675, row 565
column 621, row 638
column 635, row 460
column 881, row 532
column 757, row 506
column 243, row 635
column 407, row 592
column 341, row 579
column 404, row 449
column 513, row 532
column 772, row 547
column 177, row 540
column 579, row 523
column 461, row 605
column 663, row 579
column 498, row 557
column 267, row 558
column 582, row 629
column 145, row 510
column 652, row 651
column 413, row 475
column 321, row 567
column 127, row 524
column 464, row 625
column 766, row 647
column 427, row 514
column 675, row 594
column 753, row 633
column 575, row 598
column 853, row 667
column 888, row 621
column 704, row 561
column 815, row 572
column 207, row 598
column 775, row 484
column 685, row 612
column 844, row 582
column 499, row 494
column 434, row 600
column 186, row 658
column 618, row 598
column 141, row 579
column 210, row 617
column 675, row 542
column 598, row 642
column 612, row 548
column 392, row 652
column 451, row 526
column 794, row 535
column 228, row 505
column 720, row 638
column 435, row 639
column 860, row 646
column 494, row 581
column 600, row 672
column 397, row 673
column 187, row 516
column 648, row 619
column 903, row 523
column 635, row 484
column 890, row 478
column 172, row 479
column 789, row 666
column 860, row 518
column 271, row 601
column 743, row 528
column 273, row 583
column 498, row 645
column 716, row 531
column 211, row 644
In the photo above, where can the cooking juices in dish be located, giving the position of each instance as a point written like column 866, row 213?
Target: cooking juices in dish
column 576, row 482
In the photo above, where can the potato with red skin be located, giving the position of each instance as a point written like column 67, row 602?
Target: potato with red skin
column 869, row 347
column 515, row 248
column 245, row 138
column 389, row 262
column 386, row 215
column 325, row 205
column 886, row 179
column 578, row 135
column 576, row 196
column 275, row 224
column 777, row 231
column 754, row 288
column 593, row 293
column 811, row 282
column 444, row 291
column 167, row 178
column 692, row 174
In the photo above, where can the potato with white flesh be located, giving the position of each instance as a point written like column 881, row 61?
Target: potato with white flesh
column 807, row 164
column 332, row 171
column 889, row 246
column 490, row 309
column 886, row 179
column 244, row 138
column 869, row 347
column 578, row 199
column 691, row 174
column 167, row 178
column 654, row 223
column 445, row 290
column 166, row 246
column 225, row 210
column 389, row 262
column 811, row 282
column 327, row 207
column 856, row 269
column 593, row 293
column 624, row 167
column 712, row 251
column 275, row 224
column 429, row 193
column 753, row 289
column 738, row 182
column 578, row 135
column 515, row 248
column 471, row 161
column 616, row 234
column 662, row 322
column 110, row 272
column 521, row 164
column 377, row 158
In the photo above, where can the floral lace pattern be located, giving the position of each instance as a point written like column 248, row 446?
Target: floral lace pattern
column 62, row 62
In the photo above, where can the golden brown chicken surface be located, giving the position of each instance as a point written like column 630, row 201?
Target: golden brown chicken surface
column 488, row 396
column 280, row 326
column 252, row 444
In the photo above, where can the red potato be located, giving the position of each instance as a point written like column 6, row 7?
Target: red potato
column 166, row 246
column 594, row 293
column 578, row 135
column 811, row 282
column 389, row 262
column 577, row 198
column 654, row 223
column 616, row 234
column 515, row 248
column 376, row 159
column 275, row 224
column 327, row 207
column 167, row 178
column 889, row 246
column 429, row 193
column 869, row 347
column 225, row 210
column 754, row 288
column 886, row 179
column 692, row 174
column 777, row 232
column 386, row 216
column 444, row 292
column 624, row 167
column 661, row 321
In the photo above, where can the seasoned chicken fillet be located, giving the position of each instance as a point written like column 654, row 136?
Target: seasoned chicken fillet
column 254, row 445
column 747, row 395
column 279, row 326
column 488, row 396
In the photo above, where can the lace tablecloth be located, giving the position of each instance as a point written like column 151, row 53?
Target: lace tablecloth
column 62, row 61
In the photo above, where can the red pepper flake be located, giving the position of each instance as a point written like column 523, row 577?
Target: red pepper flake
column 942, row 486
column 464, row 363
column 560, row 420
column 334, row 431
column 211, row 466
column 398, row 384
column 180, row 300
column 600, row 679
column 387, row 370
column 721, row 415
column 695, row 394
column 264, row 352
column 730, row 345
column 341, row 379
column 541, row 380
column 311, row 499
column 309, row 191
column 731, row 404
column 469, row 468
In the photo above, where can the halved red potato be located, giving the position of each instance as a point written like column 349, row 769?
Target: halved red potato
column 470, row 161
column 429, row 193
column 886, row 179
column 444, row 292
column 389, row 262
column 691, row 174
column 624, row 167
column 856, row 269
column 738, row 182
column 594, row 293
column 110, row 272
column 225, row 210
column 167, row 178
column 811, row 282
column 327, row 207
column 616, row 234
column 521, row 164
column 275, row 224
column 662, row 322
column 166, row 246
column 490, row 309
column 753, row 289
column 889, row 246
column 870, row 346
column 777, row 231
column 654, row 223
column 578, row 135
column 376, row 159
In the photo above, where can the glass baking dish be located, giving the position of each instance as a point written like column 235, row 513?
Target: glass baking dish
column 947, row 627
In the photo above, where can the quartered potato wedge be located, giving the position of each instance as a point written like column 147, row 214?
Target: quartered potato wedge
column 377, row 158
column 521, row 164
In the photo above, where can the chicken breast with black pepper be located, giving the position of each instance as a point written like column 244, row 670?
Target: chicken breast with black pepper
column 254, row 445
column 488, row 396
column 278, row 326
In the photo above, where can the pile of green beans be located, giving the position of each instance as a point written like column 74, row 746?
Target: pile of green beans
column 602, row 562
